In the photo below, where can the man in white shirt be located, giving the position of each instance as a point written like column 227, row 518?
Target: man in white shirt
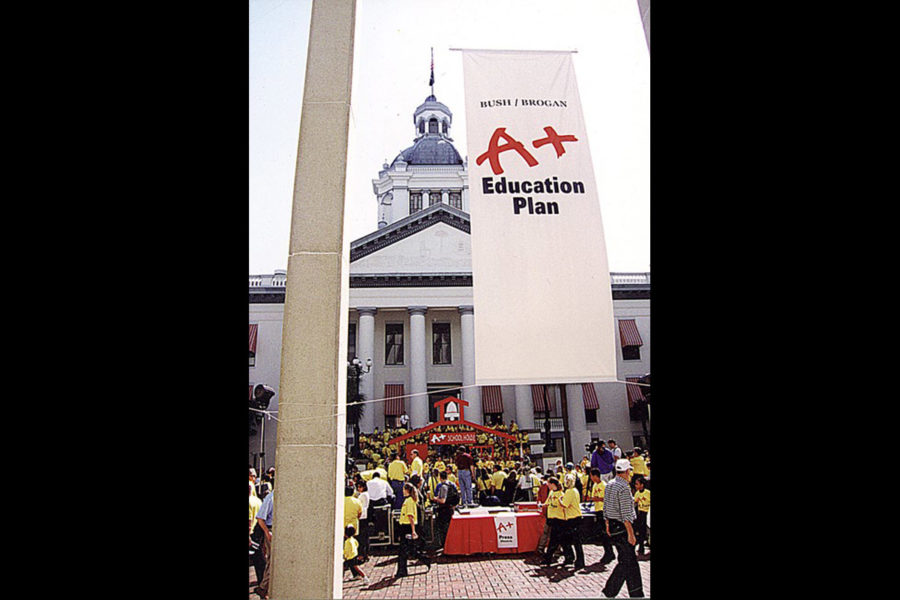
column 616, row 451
column 379, row 490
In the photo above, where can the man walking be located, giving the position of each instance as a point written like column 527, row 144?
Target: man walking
column 619, row 513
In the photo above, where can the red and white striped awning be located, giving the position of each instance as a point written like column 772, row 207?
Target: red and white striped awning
column 254, row 330
column 393, row 406
column 635, row 392
column 590, row 396
column 538, row 398
column 628, row 332
column 491, row 399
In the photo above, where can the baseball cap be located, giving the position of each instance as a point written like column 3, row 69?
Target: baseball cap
column 622, row 465
column 570, row 465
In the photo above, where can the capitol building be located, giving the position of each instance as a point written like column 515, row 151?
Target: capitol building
column 411, row 312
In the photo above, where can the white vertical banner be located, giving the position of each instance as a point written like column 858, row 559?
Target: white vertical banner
column 541, row 286
column 507, row 531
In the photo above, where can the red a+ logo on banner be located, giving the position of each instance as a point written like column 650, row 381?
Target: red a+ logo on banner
column 494, row 148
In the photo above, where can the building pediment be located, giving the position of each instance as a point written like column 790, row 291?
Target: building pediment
column 434, row 240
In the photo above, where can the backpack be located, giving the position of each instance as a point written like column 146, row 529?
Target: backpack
column 452, row 495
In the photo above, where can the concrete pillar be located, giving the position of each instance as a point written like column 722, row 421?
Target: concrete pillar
column 471, row 395
column 310, row 447
column 524, row 407
column 418, row 379
column 578, row 431
column 365, row 348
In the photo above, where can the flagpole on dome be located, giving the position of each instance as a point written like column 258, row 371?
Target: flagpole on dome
column 431, row 81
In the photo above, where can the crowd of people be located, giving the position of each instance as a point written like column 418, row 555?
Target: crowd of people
column 616, row 482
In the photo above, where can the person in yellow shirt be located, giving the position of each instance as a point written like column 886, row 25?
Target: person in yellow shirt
column 638, row 464
column 351, row 552
column 439, row 465
column 408, row 536
column 556, row 520
column 571, row 503
column 598, row 491
column 451, row 475
column 259, row 561
column 642, row 503
column 497, row 481
column 352, row 509
column 397, row 471
column 417, row 466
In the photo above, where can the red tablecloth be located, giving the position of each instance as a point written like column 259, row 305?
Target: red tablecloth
column 471, row 534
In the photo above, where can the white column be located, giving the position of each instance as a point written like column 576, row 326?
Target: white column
column 445, row 196
column 524, row 407
column 366, row 349
column 471, row 395
column 578, row 431
column 418, row 379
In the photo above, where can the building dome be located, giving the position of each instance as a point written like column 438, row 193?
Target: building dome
column 430, row 150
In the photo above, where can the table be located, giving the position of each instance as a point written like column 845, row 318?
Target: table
column 474, row 532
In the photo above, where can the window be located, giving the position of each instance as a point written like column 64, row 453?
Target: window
column 456, row 200
column 437, row 396
column 351, row 341
column 631, row 353
column 493, row 419
column 590, row 415
column 432, row 125
column 393, row 344
column 421, row 125
column 434, row 198
column 415, row 202
column 444, row 127
column 440, row 343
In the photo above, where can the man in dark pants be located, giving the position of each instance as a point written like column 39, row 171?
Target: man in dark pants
column 619, row 513
column 443, row 511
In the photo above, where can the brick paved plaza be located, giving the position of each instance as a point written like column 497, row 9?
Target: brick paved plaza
column 483, row 576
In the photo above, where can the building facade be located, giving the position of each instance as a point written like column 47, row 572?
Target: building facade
column 412, row 313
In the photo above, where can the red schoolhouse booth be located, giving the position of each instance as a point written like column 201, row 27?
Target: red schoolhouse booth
column 451, row 413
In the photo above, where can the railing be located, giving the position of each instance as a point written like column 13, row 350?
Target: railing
column 279, row 279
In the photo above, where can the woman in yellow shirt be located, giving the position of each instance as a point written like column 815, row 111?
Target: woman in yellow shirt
column 556, row 518
column 408, row 537
column 571, row 503
column 642, row 503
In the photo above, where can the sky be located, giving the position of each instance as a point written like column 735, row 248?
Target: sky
column 391, row 67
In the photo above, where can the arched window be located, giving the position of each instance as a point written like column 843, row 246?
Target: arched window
column 432, row 125
column 445, row 127
column 421, row 125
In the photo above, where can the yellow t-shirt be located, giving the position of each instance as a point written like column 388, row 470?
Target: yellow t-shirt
column 418, row 466
column 489, row 465
column 598, row 491
column 408, row 512
column 643, row 500
column 535, row 484
column 351, row 548
column 571, row 503
column 452, row 477
column 352, row 510
column 554, row 508
column 253, row 490
column 440, row 466
column 479, row 483
column 255, row 503
column 397, row 470
column 497, row 479
column 639, row 466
